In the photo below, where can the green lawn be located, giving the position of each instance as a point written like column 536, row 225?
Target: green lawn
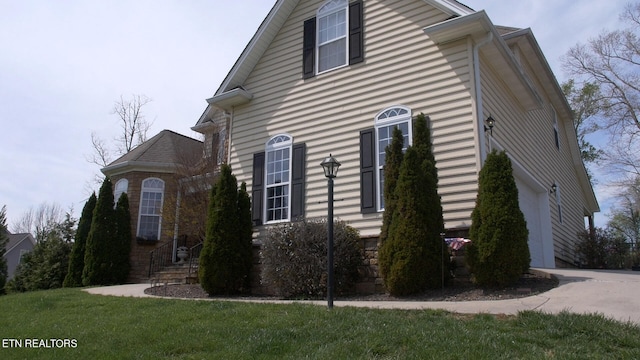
column 141, row 328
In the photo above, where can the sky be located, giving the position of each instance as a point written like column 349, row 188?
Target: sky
column 64, row 64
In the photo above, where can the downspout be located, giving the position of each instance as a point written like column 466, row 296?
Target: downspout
column 175, row 225
column 229, row 117
column 478, row 90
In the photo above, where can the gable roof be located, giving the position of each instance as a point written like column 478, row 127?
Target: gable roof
column 161, row 153
column 16, row 239
column 231, row 91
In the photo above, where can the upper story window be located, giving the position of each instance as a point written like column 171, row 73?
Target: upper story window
column 122, row 186
column 332, row 35
column 385, row 122
column 334, row 38
column 278, row 178
column 150, row 209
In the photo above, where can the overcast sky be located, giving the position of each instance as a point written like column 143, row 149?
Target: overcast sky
column 63, row 64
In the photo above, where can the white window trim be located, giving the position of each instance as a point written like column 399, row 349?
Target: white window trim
column 272, row 147
column 320, row 14
column 142, row 191
column 395, row 120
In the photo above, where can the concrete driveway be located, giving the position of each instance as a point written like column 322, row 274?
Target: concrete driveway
column 615, row 294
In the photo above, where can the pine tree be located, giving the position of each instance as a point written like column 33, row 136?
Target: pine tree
column 122, row 246
column 223, row 261
column 4, row 239
column 99, row 247
column 76, row 259
column 499, row 251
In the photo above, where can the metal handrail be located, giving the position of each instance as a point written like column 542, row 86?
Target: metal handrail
column 160, row 257
column 194, row 257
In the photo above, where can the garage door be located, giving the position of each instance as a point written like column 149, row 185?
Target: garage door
column 530, row 206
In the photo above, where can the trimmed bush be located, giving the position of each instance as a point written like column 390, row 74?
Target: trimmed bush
column 294, row 258
column 76, row 259
column 499, row 252
column 226, row 258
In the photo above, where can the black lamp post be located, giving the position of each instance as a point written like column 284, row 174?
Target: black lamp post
column 490, row 123
column 330, row 166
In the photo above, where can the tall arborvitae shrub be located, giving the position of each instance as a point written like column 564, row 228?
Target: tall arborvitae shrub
column 4, row 239
column 122, row 245
column 438, row 251
column 224, row 261
column 413, row 257
column 76, row 259
column 99, row 248
column 499, row 252
column 245, row 235
column 393, row 160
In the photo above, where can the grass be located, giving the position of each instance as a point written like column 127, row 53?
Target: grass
column 142, row 328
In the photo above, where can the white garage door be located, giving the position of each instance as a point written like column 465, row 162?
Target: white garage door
column 530, row 206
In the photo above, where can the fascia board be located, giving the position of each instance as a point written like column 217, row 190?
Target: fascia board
column 146, row 166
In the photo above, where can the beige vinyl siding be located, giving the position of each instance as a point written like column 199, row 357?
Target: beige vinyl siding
column 327, row 112
column 529, row 137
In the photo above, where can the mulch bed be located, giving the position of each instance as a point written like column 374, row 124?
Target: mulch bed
column 461, row 290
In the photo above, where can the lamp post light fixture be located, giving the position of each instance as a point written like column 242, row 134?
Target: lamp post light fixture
column 330, row 166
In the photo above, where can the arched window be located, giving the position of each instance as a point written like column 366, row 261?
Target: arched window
column 122, row 186
column 332, row 39
column 150, row 209
column 278, row 178
column 385, row 122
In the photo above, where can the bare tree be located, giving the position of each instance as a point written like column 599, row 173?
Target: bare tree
column 611, row 61
column 40, row 221
column 133, row 122
column 134, row 128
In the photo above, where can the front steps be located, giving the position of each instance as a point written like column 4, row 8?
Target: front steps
column 174, row 274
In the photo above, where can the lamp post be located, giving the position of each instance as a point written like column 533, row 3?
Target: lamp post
column 330, row 166
column 490, row 123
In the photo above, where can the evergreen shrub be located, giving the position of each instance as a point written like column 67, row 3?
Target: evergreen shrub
column 226, row 257
column 499, row 252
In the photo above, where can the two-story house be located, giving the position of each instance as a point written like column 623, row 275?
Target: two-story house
column 324, row 77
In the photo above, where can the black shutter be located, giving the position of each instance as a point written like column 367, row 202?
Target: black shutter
column 309, row 49
column 368, row 171
column 356, row 31
column 257, row 189
column 297, row 181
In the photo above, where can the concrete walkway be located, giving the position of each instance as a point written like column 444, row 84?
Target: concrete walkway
column 615, row 294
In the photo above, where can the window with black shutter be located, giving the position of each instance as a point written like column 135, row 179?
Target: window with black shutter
column 278, row 189
column 334, row 38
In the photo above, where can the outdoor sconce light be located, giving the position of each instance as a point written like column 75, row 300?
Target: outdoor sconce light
column 490, row 124
column 330, row 166
column 553, row 189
